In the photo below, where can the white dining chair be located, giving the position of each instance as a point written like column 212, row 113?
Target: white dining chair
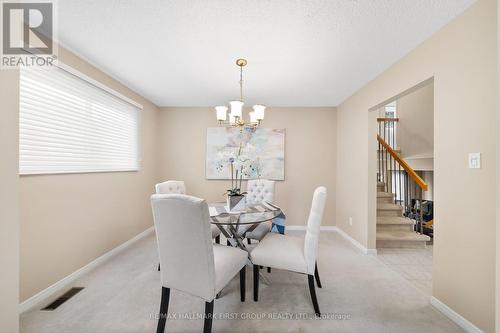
column 258, row 191
column 197, row 267
column 178, row 187
column 170, row 187
column 291, row 253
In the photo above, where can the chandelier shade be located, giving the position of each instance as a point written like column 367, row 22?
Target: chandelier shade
column 253, row 117
column 221, row 112
column 236, row 108
column 259, row 111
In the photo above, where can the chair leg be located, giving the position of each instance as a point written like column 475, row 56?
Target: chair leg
column 217, row 239
column 312, row 290
column 209, row 313
column 243, row 274
column 249, row 241
column 255, row 283
column 158, row 267
column 269, row 269
column 316, row 275
column 165, row 297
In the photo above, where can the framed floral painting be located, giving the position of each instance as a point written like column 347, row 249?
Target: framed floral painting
column 254, row 152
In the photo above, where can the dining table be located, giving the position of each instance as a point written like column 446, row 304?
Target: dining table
column 235, row 224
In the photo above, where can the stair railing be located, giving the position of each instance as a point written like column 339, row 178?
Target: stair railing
column 387, row 131
column 398, row 176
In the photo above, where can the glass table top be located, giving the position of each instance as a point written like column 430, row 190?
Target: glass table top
column 252, row 214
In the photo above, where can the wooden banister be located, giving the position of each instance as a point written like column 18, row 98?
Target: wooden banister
column 387, row 119
column 406, row 166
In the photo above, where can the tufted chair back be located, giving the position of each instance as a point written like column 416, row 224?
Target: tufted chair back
column 186, row 266
column 259, row 190
column 171, row 187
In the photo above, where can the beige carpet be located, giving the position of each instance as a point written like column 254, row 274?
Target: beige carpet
column 415, row 265
column 359, row 294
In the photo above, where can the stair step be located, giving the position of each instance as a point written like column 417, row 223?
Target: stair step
column 380, row 187
column 402, row 236
column 394, row 223
column 385, row 195
column 389, row 209
column 394, row 220
column 385, row 200
column 389, row 206
column 403, row 239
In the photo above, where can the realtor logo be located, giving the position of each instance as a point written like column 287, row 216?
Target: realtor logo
column 27, row 34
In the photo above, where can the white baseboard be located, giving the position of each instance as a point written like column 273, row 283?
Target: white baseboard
column 357, row 244
column 61, row 284
column 295, row 227
column 303, row 228
column 455, row 317
column 328, row 228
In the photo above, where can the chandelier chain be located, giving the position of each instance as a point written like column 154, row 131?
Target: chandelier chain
column 241, row 83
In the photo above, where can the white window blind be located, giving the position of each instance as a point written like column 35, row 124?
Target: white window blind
column 68, row 124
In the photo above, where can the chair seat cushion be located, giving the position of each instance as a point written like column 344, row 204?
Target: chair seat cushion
column 281, row 252
column 228, row 262
column 215, row 231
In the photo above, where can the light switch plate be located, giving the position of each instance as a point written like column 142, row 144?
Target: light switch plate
column 474, row 160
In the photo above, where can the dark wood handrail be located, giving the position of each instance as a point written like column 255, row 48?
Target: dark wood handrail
column 387, row 119
column 406, row 166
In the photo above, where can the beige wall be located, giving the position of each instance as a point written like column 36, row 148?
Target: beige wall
column 415, row 129
column 71, row 219
column 428, row 177
column 310, row 150
column 497, row 303
column 462, row 59
column 9, row 201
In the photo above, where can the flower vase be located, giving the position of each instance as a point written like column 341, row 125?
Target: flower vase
column 236, row 203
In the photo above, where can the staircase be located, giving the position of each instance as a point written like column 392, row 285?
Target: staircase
column 399, row 194
column 393, row 229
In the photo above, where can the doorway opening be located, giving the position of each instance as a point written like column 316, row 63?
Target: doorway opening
column 405, row 178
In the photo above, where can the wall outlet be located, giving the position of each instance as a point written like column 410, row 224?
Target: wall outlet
column 475, row 161
column 350, row 220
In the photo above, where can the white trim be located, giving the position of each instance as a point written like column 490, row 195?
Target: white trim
column 303, row 228
column 295, row 227
column 61, row 284
column 357, row 244
column 96, row 83
column 455, row 317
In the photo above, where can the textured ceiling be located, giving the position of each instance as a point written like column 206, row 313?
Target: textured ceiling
column 300, row 53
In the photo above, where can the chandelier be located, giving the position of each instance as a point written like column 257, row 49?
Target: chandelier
column 235, row 115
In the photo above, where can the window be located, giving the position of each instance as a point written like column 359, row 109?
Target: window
column 390, row 110
column 70, row 123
